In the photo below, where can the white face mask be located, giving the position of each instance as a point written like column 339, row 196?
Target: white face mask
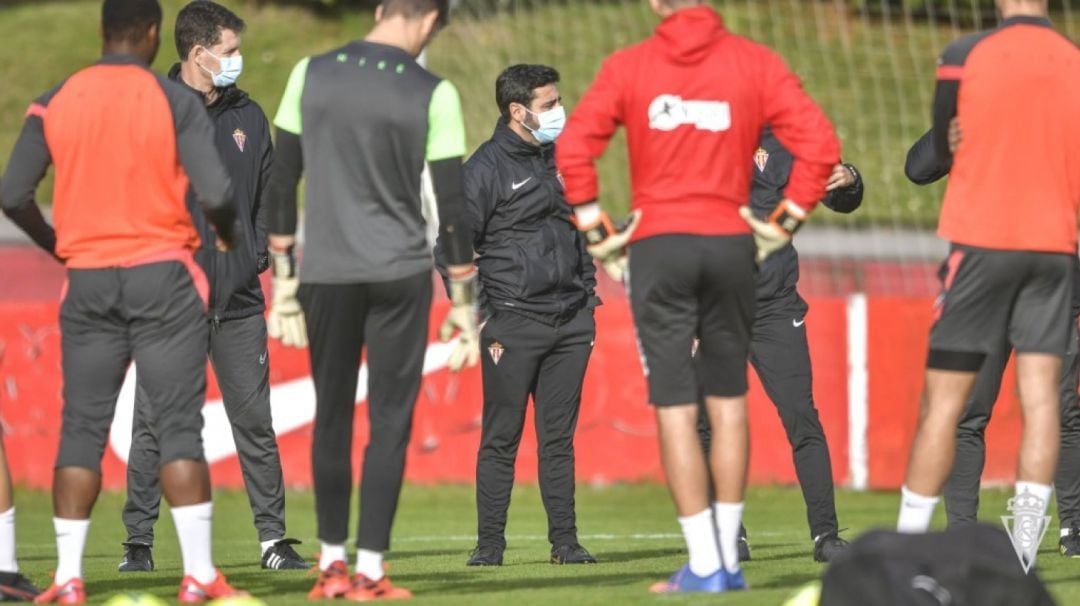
column 231, row 68
column 551, row 124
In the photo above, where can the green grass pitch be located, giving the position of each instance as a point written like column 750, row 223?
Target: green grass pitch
column 630, row 529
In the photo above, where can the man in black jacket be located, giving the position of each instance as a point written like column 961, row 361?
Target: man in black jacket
column 208, row 40
column 924, row 166
column 537, row 292
column 779, row 351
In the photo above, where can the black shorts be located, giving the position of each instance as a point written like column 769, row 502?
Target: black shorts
column 993, row 296
column 682, row 287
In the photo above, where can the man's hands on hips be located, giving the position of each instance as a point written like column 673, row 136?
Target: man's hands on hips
column 286, row 319
column 605, row 242
column 462, row 318
column 774, row 233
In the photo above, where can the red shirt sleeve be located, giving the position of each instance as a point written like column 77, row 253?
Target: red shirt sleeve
column 590, row 127
column 803, row 128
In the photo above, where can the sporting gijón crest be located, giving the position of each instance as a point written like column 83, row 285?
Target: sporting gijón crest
column 496, row 351
column 240, row 137
column 761, row 158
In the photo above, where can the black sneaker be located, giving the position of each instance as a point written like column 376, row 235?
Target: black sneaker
column 1069, row 545
column 571, row 554
column 485, row 555
column 281, row 556
column 827, row 546
column 14, row 587
column 743, row 545
column 137, row 558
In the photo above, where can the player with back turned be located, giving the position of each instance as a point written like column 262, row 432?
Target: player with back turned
column 694, row 99
column 361, row 121
column 1010, row 216
column 126, row 144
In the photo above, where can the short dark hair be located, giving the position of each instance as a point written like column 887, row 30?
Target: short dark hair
column 129, row 19
column 413, row 9
column 518, row 84
column 200, row 24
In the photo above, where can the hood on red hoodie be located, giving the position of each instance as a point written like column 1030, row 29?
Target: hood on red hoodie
column 687, row 35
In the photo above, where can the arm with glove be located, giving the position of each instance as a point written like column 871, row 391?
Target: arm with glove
column 587, row 134
column 804, row 130
column 286, row 319
column 445, row 152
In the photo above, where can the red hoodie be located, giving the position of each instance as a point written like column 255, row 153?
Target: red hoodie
column 694, row 99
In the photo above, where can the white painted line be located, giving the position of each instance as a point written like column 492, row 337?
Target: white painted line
column 858, row 394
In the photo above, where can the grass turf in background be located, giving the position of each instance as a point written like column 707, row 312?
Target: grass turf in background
column 873, row 77
column 631, row 529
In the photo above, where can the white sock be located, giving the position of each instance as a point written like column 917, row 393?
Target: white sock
column 267, row 545
column 8, row 563
column 332, row 552
column 1065, row 532
column 369, row 563
column 916, row 511
column 70, row 542
column 701, row 543
column 1042, row 491
column 728, row 520
column 193, row 528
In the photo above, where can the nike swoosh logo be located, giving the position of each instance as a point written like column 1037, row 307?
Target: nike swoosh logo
column 798, row 323
column 517, row 186
column 292, row 406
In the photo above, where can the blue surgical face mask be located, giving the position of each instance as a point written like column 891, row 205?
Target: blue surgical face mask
column 231, row 68
column 551, row 124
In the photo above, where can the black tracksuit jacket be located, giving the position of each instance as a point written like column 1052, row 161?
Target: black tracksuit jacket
column 531, row 258
column 242, row 137
column 772, row 167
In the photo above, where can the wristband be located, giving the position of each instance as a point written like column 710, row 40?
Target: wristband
column 283, row 262
column 788, row 216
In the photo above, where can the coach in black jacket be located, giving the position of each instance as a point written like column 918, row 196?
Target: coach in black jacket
column 537, row 293
column 208, row 39
column 779, row 351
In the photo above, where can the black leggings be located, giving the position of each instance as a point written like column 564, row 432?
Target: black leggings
column 391, row 319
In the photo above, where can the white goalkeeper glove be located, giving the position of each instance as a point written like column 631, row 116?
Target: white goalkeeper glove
column 774, row 233
column 462, row 318
column 606, row 243
column 286, row 319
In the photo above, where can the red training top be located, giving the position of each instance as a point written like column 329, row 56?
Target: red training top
column 694, row 99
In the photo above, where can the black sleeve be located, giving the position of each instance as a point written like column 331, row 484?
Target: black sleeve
column 261, row 229
column 924, row 165
column 288, row 165
column 30, row 159
column 944, row 111
column 950, row 71
column 479, row 205
column 846, row 199
column 449, row 193
column 199, row 156
column 29, row 219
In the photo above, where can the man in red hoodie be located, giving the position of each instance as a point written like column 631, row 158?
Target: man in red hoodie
column 694, row 99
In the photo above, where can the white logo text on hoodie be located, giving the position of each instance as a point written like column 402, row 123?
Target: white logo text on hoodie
column 668, row 112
